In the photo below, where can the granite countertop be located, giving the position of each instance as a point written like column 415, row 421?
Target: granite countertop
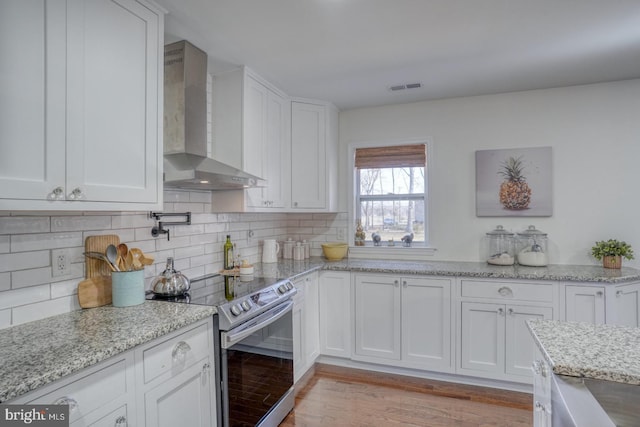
column 36, row 353
column 572, row 273
column 577, row 349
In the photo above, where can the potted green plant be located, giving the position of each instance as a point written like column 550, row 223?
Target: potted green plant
column 611, row 252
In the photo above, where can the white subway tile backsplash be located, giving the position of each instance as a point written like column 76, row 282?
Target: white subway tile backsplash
column 200, row 197
column 176, row 196
column 84, row 222
column 65, row 288
column 24, row 224
column 31, row 312
column 29, row 292
column 33, row 242
column 5, row 318
column 5, row 282
column 24, row 260
column 16, row 297
column 5, row 244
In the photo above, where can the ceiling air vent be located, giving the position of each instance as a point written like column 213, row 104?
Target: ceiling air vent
column 405, row 86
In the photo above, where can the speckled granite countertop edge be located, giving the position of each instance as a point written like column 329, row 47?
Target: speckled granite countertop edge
column 578, row 349
column 83, row 338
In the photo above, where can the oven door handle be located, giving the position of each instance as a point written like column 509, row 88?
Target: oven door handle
column 266, row 318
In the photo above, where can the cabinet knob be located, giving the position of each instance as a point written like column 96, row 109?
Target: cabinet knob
column 56, row 194
column 69, row 401
column 396, row 282
column 206, row 369
column 511, row 312
column 179, row 353
column 76, row 194
column 501, row 311
column 599, row 293
column 619, row 293
column 121, row 421
column 404, row 283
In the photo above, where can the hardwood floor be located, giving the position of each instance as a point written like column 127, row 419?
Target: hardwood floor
column 335, row 396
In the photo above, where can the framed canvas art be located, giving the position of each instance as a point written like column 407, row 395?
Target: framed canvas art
column 514, row 182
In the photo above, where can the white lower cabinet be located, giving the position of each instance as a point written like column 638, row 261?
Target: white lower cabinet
column 623, row 305
column 334, row 293
column 541, row 390
column 174, row 379
column 403, row 321
column 306, row 326
column 101, row 395
column 585, row 304
column 494, row 341
column 166, row 382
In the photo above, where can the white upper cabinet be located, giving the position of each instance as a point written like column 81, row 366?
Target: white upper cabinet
column 314, row 140
column 81, row 108
column 252, row 122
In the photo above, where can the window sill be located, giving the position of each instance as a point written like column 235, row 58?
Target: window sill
column 391, row 252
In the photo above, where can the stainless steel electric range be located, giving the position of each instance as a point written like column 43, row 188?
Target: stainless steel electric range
column 253, row 341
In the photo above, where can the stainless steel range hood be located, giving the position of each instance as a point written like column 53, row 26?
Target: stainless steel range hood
column 186, row 164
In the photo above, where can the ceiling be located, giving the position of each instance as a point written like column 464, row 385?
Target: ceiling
column 351, row 52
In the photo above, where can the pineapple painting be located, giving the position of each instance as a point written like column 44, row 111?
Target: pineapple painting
column 515, row 193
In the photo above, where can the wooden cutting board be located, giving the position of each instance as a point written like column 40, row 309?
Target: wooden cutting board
column 96, row 267
column 94, row 292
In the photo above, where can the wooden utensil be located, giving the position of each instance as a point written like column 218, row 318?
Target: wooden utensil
column 94, row 292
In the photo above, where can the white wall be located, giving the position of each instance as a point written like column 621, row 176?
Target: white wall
column 594, row 132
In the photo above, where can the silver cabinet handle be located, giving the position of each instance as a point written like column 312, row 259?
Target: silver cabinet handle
column 295, row 204
column 206, row 371
column 179, row 353
column 505, row 291
column 536, row 367
column 396, row 283
column 404, row 283
column 66, row 400
column 501, row 311
column 619, row 293
column 56, row 194
column 121, row 421
column 76, row 194
column 599, row 293
column 511, row 312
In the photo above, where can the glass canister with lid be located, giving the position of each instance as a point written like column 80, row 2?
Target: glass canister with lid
column 500, row 247
column 532, row 247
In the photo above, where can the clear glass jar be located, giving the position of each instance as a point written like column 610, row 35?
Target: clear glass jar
column 532, row 248
column 500, row 247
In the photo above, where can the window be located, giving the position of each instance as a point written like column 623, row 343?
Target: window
column 390, row 196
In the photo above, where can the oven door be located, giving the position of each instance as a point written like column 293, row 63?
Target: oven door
column 257, row 368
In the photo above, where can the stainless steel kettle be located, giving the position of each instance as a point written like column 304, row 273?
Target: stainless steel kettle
column 170, row 282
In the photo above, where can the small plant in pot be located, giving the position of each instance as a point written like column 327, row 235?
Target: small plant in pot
column 611, row 252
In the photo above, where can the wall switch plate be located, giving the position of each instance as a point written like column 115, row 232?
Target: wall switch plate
column 60, row 262
column 340, row 234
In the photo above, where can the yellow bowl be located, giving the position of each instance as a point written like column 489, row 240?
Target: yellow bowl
column 334, row 251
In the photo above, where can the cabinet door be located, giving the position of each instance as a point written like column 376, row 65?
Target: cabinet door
column 334, row 292
column 584, row 304
column 32, row 99
column 377, row 316
column 298, row 336
column 426, row 322
column 482, row 337
column 312, row 319
column 255, row 136
column 277, row 153
column 519, row 342
column 184, row 400
column 113, row 105
column 625, row 306
column 308, row 156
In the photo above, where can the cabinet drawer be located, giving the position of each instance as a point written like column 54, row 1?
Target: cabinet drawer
column 91, row 391
column 507, row 290
column 177, row 353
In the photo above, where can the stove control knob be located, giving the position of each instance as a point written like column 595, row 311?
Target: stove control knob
column 289, row 286
column 236, row 310
column 246, row 305
column 282, row 289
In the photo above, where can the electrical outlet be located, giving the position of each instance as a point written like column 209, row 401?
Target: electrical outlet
column 250, row 235
column 60, row 262
column 340, row 234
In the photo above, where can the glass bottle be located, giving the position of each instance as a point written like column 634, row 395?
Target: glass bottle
column 500, row 247
column 229, row 291
column 228, row 254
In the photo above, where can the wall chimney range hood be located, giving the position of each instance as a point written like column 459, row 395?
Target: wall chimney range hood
column 186, row 164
